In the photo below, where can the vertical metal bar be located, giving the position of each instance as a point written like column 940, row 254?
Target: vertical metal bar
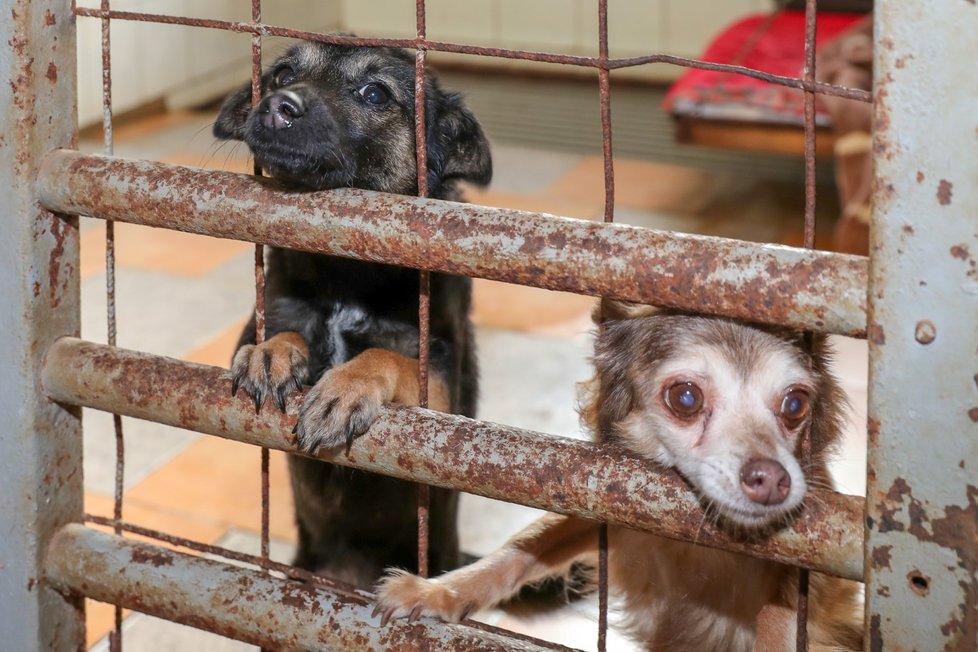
column 921, row 550
column 604, row 94
column 424, row 283
column 256, row 42
column 801, row 639
column 40, row 441
column 115, row 636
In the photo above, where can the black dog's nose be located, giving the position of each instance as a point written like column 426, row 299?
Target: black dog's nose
column 280, row 110
column 765, row 481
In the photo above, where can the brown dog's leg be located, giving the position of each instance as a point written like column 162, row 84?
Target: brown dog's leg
column 276, row 367
column 546, row 548
column 347, row 399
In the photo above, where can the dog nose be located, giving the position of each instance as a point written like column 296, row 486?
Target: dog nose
column 280, row 110
column 765, row 481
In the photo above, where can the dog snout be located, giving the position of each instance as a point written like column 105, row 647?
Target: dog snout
column 765, row 481
column 280, row 110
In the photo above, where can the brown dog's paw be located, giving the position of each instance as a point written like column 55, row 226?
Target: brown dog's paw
column 274, row 368
column 339, row 408
column 403, row 594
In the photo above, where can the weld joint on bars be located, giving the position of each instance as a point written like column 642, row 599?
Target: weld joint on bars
column 456, row 48
column 807, row 290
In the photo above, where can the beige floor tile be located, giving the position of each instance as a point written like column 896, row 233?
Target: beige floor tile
column 161, row 250
column 217, row 481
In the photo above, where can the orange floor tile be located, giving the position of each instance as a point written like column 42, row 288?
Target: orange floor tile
column 219, row 351
column 217, row 481
column 160, row 250
column 585, row 208
column 516, row 307
column 638, row 185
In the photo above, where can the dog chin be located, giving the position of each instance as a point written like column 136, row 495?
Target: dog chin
column 300, row 177
column 754, row 518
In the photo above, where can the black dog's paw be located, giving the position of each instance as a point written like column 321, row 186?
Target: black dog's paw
column 339, row 408
column 274, row 368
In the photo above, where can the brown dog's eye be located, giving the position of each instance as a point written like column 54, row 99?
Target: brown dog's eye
column 374, row 94
column 795, row 407
column 684, row 399
column 284, row 76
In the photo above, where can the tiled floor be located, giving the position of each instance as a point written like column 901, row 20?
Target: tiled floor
column 187, row 296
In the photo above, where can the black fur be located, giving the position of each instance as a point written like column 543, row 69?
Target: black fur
column 315, row 130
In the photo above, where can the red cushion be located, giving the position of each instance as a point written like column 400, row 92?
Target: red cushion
column 779, row 50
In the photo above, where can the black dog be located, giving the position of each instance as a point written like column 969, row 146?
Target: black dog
column 336, row 116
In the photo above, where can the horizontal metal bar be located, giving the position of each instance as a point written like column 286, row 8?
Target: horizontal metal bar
column 770, row 283
column 242, row 603
column 556, row 473
column 461, row 48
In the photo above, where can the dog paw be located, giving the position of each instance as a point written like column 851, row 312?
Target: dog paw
column 402, row 594
column 339, row 408
column 273, row 369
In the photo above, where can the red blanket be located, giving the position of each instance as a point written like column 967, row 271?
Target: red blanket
column 779, row 49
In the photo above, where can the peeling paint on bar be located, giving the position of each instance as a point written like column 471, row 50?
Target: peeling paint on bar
column 556, row 473
column 809, row 290
column 242, row 603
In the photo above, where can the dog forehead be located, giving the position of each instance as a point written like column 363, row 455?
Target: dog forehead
column 349, row 62
column 737, row 359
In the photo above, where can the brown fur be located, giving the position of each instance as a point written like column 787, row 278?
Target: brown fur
column 676, row 595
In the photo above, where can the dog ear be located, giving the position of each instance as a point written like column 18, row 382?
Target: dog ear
column 457, row 148
column 230, row 124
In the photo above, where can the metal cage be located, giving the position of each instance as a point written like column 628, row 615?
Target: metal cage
column 914, row 541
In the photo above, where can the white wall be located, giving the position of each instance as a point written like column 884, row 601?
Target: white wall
column 183, row 65
column 635, row 27
column 187, row 65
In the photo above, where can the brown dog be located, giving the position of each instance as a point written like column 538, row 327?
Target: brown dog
column 726, row 404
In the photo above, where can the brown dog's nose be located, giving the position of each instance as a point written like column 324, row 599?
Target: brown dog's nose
column 280, row 110
column 765, row 481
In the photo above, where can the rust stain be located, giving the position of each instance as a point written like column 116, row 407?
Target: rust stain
column 152, row 557
column 52, row 73
column 960, row 251
column 59, row 230
column 881, row 556
column 973, row 414
column 920, row 176
column 875, row 635
column 49, row 18
column 944, row 192
column 875, row 334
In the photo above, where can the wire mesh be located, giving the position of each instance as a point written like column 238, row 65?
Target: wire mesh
column 603, row 63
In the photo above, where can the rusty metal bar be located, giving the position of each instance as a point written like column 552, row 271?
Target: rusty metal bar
column 922, row 491
column 563, row 475
column 504, row 53
column 241, row 603
column 769, row 283
column 40, row 442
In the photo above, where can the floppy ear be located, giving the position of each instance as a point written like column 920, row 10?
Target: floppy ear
column 457, row 148
column 234, row 112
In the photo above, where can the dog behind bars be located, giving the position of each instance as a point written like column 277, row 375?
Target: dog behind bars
column 726, row 404
column 335, row 116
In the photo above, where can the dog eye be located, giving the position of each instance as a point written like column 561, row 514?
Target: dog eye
column 374, row 94
column 795, row 407
column 684, row 399
column 284, row 76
